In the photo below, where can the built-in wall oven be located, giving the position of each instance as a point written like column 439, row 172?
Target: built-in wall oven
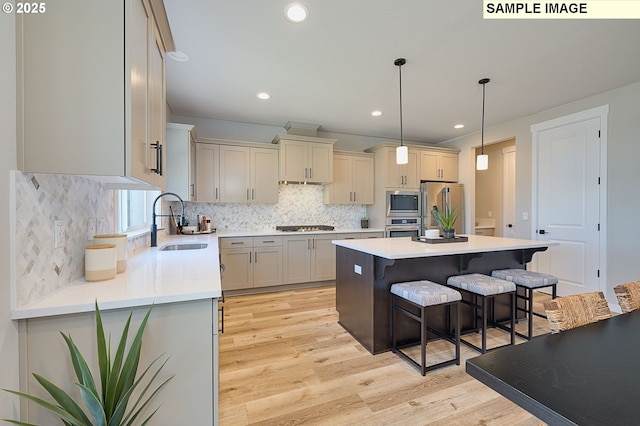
column 402, row 227
column 404, row 204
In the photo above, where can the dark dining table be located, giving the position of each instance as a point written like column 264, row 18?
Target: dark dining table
column 585, row 376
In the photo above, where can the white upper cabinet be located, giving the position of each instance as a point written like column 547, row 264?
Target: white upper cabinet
column 353, row 179
column 439, row 166
column 244, row 172
column 406, row 176
column 207, row 173
column 91, row 99
column 248, row 175
column 305, row 158
column 181, row 160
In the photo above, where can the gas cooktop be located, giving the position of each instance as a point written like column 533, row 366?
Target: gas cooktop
column 304, row 228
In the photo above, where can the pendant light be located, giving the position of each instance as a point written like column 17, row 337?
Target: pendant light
column 482, row 161
column 402, row 152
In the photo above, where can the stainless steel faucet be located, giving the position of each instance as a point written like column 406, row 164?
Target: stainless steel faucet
column 154, row 227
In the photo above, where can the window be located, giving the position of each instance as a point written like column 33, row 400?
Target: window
column 134, row 208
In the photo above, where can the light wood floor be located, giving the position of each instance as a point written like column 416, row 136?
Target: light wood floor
column 284, row 360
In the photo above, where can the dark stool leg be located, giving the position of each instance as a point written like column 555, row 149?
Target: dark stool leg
column 529, row 291
column 513, row 319
column 457, row 333
column 393, row 323
column 423, row 340
column 484, row 324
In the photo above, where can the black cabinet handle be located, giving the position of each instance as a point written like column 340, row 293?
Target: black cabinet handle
column 158, row 147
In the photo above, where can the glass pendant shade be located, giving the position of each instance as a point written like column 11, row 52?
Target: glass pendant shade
column 482, row 162
column 402, row 155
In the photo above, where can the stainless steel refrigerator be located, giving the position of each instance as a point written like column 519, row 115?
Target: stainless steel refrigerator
column 435, row 195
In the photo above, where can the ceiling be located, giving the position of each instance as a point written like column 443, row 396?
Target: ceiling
column 338, row 66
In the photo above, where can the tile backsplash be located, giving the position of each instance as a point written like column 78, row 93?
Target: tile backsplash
column 297, row 205
column 42, row 199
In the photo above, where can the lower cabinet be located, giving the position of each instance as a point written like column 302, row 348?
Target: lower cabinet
column 251, row 262
column 187, row 332
column 255, row 262
column 309, row 258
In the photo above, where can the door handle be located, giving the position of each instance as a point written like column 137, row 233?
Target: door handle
column 509, row 225
column 542, row 232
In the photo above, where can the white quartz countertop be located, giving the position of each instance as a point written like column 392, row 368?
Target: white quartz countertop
column 404, row 248
column 152, row 277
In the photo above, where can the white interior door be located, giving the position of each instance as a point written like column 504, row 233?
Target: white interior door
column 509, row 192
column 568, row 204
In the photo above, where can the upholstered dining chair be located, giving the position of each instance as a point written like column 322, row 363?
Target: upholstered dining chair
column 628, row 295
column 564, row 313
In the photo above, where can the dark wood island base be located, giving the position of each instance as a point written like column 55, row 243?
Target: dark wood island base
column 363, row 281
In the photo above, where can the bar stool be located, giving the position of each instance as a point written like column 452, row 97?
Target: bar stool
column 418, row 296
column 486, row 288
column 528, row 281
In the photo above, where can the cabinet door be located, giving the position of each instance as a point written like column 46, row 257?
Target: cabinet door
column 181, row 159
column 340, row 191
column 449, row 167
column 140, row 148
column 192, row 170
column 296, row 252
column 239, row 268
column 182, row 331
column 267, row 266
column 207, row 173
column 394, row 174
column 429, row 166
column 412, row 170
column 363, row 178
column 235, row 174
column 293, row 161
column 156, row 102
column 264, row 176
column 320, row 162
column 323, row 258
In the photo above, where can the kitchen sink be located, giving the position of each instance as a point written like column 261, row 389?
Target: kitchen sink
column 190, row 246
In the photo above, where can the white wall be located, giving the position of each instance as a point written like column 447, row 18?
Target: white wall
column 8, row 329
column 623, row 156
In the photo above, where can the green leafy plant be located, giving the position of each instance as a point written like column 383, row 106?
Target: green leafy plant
column 107, row 403
column 446, row 218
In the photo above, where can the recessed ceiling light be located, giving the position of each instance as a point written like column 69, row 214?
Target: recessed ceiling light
column 296, row 13
column 178, row 56
column 458, row 126
column 264, row 95
column 376, row 113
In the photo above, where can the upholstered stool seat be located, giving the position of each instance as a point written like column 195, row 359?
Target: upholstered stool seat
column 485, row 288
column 528, row 281
column 412, row 299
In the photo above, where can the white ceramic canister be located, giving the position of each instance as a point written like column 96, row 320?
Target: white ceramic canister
column 120, row 240
column 100, row 262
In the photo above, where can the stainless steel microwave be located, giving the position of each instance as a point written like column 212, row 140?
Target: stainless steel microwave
column 403, row 204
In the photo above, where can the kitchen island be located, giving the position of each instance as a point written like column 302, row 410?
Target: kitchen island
column 183, row 286
column 366, row 269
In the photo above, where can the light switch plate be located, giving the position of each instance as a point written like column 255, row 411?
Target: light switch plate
column 357, row 269
column 58, row 233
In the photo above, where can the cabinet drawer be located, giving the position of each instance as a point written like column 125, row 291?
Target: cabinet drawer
column 236, row 242
column 267, row 241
